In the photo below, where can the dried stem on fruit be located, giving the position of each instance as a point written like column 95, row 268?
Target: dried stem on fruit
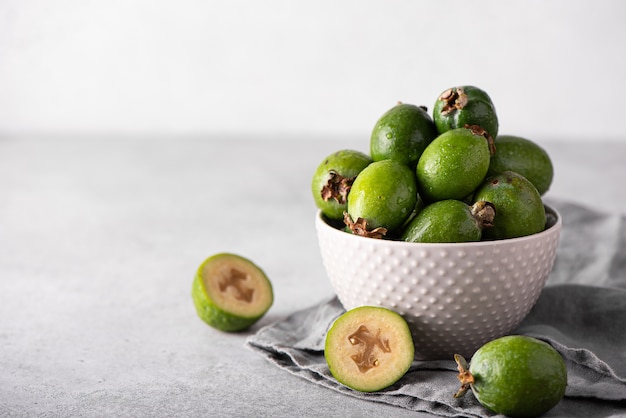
column 337, row 187
column 454, row 98
column 484, row 212
column 464, row 376
column 360, row 227
column 477, row 130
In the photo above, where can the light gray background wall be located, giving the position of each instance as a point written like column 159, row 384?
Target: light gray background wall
column 554, row 68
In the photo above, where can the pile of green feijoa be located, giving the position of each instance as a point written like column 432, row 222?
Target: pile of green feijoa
column 444, row 177
column 449, row 176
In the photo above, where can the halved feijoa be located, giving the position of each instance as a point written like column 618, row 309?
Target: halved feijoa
column 230, row 292
column 369, row 348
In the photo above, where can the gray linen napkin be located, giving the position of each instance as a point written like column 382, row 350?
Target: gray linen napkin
column 581, row 313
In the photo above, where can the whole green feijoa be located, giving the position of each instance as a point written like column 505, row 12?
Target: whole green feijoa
column 523, row 156
column 465, row 105
column 515, row 375
column 382, row 197
column 402, row 133
column 519, row 208
column 333, row 179
column 453, row 165
column 449, row 221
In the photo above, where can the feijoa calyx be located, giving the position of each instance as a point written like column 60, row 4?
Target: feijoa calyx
column 457, row 107
column 382, row 197
column 402, row 133
column 516, row 375
column 450, row 221
column 230, row 292
column 369, row 348
column 453, row 164
column 333, row 179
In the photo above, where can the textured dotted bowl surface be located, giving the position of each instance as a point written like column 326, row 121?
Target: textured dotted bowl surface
column 455, row 297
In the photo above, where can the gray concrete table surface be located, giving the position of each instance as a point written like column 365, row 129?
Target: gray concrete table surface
column 100, row 238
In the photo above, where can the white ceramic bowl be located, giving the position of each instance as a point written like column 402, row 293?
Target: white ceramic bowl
column 455, row 297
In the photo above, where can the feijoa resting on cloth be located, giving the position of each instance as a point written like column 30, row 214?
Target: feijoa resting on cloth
column 581, row 313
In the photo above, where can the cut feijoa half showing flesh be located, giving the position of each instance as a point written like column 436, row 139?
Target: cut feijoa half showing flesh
column 369, row 348
column 230, row 292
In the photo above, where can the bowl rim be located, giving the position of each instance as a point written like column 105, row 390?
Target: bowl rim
column 321, row 222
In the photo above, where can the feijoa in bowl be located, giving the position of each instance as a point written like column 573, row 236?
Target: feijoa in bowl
column 454, row 296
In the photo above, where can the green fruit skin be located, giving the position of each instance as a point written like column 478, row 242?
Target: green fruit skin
column 419, row 205
column 523, row 156
column 212, row 314
column 347, row 163
column 402, row 134
column 443, row 221
column 408, row 351
column 479, row 110
column 384, row 194
column 453, row 165
column 518, row 376
column 519, row 208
